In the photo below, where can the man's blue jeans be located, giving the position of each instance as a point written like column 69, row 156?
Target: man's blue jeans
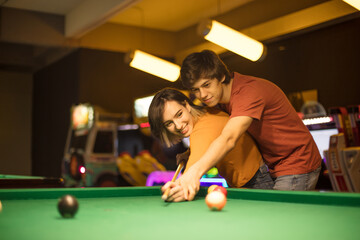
column 261, row 179
column 299, row 182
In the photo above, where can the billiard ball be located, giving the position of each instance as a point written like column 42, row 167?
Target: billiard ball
column 68, row 206
column 211, row 188
column 221, row 189
column 0, row 206
column 215, row 200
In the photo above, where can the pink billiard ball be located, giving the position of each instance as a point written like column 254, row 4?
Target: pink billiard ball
column 215, row 200
column 221, row 189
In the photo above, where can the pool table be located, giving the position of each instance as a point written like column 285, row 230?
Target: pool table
column 22, row 181
column 139, row 213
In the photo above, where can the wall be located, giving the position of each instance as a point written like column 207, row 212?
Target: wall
column 55, row 90
column 105, row 79
column 15, row 123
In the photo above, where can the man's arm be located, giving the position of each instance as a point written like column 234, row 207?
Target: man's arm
column 232, row 131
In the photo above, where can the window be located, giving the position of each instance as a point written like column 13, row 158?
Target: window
column 78, row 141
column 104, row 142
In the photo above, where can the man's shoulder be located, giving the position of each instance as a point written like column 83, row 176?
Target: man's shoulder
column 242, row 78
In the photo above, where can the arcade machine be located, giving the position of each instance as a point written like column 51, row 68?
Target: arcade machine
column 90, row 150
column 96, row 141
column 321, row 127
column 343, row 156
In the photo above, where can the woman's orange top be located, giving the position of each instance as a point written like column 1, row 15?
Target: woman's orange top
column 240, row 164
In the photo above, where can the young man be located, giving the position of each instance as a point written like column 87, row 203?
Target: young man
column 259, row 107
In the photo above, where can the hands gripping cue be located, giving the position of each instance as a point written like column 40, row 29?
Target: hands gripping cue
column 166, row 193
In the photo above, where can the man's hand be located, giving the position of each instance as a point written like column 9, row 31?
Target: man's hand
column 190, row 183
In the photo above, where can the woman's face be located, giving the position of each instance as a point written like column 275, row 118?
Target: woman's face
column 177, row 118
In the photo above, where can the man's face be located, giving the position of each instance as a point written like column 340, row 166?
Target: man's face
column 208, row 91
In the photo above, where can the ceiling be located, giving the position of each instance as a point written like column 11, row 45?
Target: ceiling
column 165, row 15
column 36, row 33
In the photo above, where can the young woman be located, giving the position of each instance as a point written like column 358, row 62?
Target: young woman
column 173, row 116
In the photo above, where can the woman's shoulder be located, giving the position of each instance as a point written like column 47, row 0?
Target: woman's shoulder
column 213, row 117
column 210, row 125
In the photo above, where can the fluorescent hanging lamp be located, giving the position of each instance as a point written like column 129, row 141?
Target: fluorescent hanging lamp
column 153, row 65
column 231, row 39
column 353, row 3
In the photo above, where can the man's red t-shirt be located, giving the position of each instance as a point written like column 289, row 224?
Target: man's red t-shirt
column 283, row 140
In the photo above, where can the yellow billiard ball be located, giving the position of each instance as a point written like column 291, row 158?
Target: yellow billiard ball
column 211, row 188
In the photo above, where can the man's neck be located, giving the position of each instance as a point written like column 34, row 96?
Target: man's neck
column 226, row 92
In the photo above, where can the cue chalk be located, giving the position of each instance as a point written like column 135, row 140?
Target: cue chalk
column 166, row 194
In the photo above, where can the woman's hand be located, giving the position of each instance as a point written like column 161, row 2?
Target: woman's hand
column 176, row 193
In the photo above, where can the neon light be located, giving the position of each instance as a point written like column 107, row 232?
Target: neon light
column 128, row 127
column 353, row 3
column 145, row 125
column 156, row 66
column 82, row 169
column 234, row 41
column 311, row 121
column 214, row 180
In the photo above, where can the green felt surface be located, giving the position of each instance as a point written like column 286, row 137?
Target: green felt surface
column 7, row 176
column 139, row 213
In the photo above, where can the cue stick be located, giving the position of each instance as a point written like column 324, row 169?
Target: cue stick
column 166, row 194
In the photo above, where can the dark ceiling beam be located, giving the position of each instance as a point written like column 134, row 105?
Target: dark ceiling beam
column 90, row 15
column 34, row 28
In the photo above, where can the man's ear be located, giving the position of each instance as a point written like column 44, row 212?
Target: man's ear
column 223, row 79
column 187, row 105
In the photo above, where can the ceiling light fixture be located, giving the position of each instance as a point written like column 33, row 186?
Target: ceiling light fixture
column 153, row 65
column 150, row 64
column 353, row 3
column 231, row 39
